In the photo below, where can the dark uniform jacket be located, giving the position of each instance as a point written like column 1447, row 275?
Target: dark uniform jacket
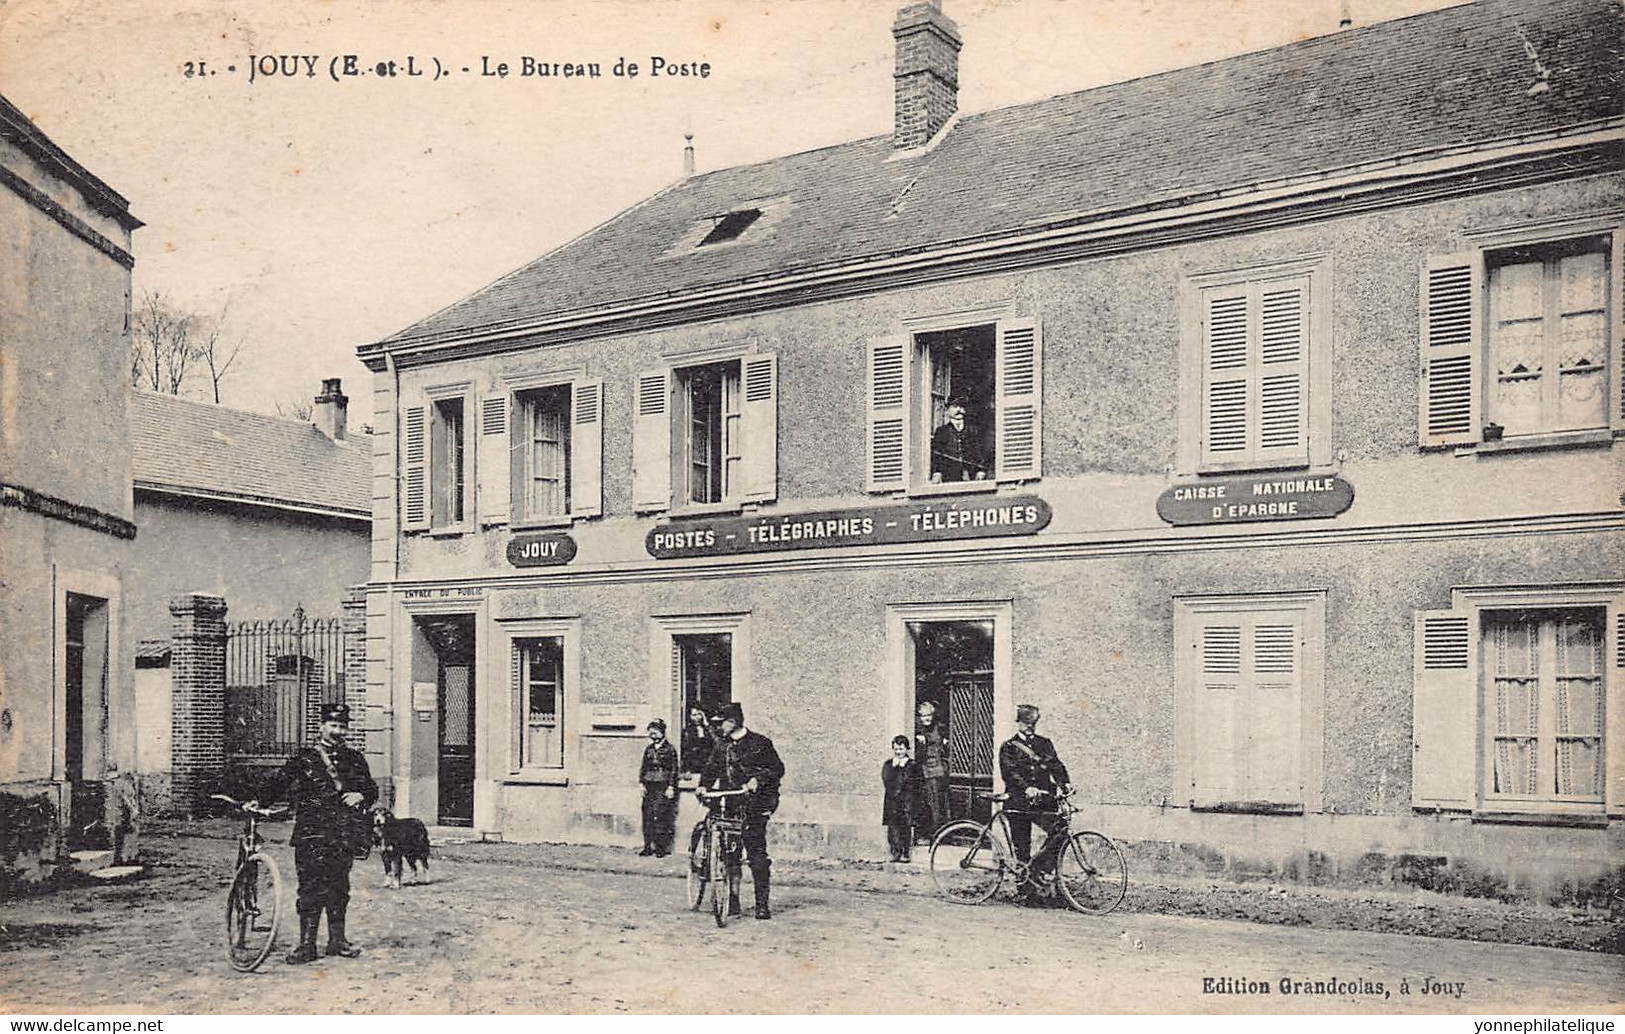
column 1031, row 762
column 734, row 762
column 902, row 783
column 953, row 454
column 659, row 769
column 305, row 783
column 697, row 742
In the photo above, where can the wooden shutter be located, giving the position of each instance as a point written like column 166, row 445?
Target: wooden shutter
column 651, row 441
column 1216, row 703
column 1613, row 687
column 587, row 449
column 1452, row 335
column 761, row 427
column 1019, row 448
column 492, row 459
column 1227, row 376
column 1616, row 328
column 1443, row 714
column 886, row 450
column 521, row 707
column 415, row 469
column 1281, row 365
column 1274, row 709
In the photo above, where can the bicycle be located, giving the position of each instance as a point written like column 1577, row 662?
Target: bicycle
column 254, row 903
column 969, row 860
column 721, row 842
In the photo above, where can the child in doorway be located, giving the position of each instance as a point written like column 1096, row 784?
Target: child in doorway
column 900, row 777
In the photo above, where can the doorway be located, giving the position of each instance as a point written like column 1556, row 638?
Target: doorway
column 85, row 643
column 451, row 637
column 953, row 671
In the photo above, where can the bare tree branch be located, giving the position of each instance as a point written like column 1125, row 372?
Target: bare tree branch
column 170, row 348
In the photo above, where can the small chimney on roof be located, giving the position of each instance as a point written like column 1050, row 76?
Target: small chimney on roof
column 1347, row 18
column 688, row 155
column 927, row 75
column 329, row 412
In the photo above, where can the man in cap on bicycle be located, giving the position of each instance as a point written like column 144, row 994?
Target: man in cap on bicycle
column 746, row 760
column 1033, row 776
column 329, row 786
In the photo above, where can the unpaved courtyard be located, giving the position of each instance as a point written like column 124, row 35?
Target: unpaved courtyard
column 482, row 936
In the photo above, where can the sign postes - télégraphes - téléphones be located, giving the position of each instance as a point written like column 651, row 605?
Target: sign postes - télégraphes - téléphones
column 1240, row 500
column 541, row 550
column 987, row 517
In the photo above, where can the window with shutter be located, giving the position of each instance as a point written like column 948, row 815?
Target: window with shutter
column 1255, row 374
column 1250, row 701
column 540, row 704
column 1442, row 710
column 761, row 428
column 448, row 487
column 709, row 435
column 1255, row 386
column 1020, row 387
column 651, row 440
column 1521, row 338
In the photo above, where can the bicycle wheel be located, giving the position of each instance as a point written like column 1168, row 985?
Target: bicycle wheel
column 253, row 906
column 719, row 882
column 967, row 862
column 1093, row 873
column 699, row 868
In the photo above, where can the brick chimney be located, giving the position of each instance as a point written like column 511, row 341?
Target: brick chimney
column 329, row 412
column 927, row 76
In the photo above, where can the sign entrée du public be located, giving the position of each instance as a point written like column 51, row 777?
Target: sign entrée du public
column 983, row 517
column 1240, row 500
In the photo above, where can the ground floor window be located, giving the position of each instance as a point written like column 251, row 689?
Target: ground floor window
column 1545, row 704
column 703, row 670
column 1249, row 677
column 540, row 701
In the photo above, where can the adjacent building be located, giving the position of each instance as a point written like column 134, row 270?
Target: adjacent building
column 67, row 709
column 1257, row 420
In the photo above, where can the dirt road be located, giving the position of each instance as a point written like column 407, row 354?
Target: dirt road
column 482, row 936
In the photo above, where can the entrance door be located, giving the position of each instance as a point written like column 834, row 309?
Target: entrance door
column 953, row 670
column 456, row 745
column 85, row 716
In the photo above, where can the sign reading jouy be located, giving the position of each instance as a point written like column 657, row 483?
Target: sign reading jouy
column 985, row 517
column 1239, row 500
column 541, row 550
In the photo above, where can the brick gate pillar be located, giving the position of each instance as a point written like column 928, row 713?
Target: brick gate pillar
column 366, row 721
column 197, row 673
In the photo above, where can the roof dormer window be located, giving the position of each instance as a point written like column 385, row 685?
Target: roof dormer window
column 730, row 226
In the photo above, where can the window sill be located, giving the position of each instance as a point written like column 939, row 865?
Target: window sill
column 1251, row 467
column 542, row 523
column 1584, row 820
column 727, row 506
column 1552, row 440
column 985, row 487
column 536, row 777
column 1249, row 808
column 449, row 532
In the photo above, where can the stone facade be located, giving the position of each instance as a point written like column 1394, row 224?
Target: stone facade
column 66, row 700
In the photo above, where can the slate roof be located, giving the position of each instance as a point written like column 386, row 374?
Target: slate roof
column 186, row 446
column 1429, row 82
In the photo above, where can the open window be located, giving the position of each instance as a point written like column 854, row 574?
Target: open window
column 436, row 493
column 541, row 452
column 955, row 407
column 705, row 435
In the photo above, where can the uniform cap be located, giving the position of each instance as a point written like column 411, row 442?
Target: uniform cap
column 336, row 713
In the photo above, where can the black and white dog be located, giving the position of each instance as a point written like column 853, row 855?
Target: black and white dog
column 400, row 841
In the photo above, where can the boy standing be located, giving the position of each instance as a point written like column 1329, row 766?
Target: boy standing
column 901, row 778
column 658, row 776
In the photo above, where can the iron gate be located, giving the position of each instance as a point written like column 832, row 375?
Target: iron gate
column 279, row 675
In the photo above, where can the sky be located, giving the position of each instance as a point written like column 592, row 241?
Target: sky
column 310, row 215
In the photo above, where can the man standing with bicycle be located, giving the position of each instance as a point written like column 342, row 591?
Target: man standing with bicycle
column 746, row 760
column 1033, row 778
column 329, row 786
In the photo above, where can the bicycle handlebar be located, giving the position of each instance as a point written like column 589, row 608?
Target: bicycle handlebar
column 724, row 793
column 248, row 806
